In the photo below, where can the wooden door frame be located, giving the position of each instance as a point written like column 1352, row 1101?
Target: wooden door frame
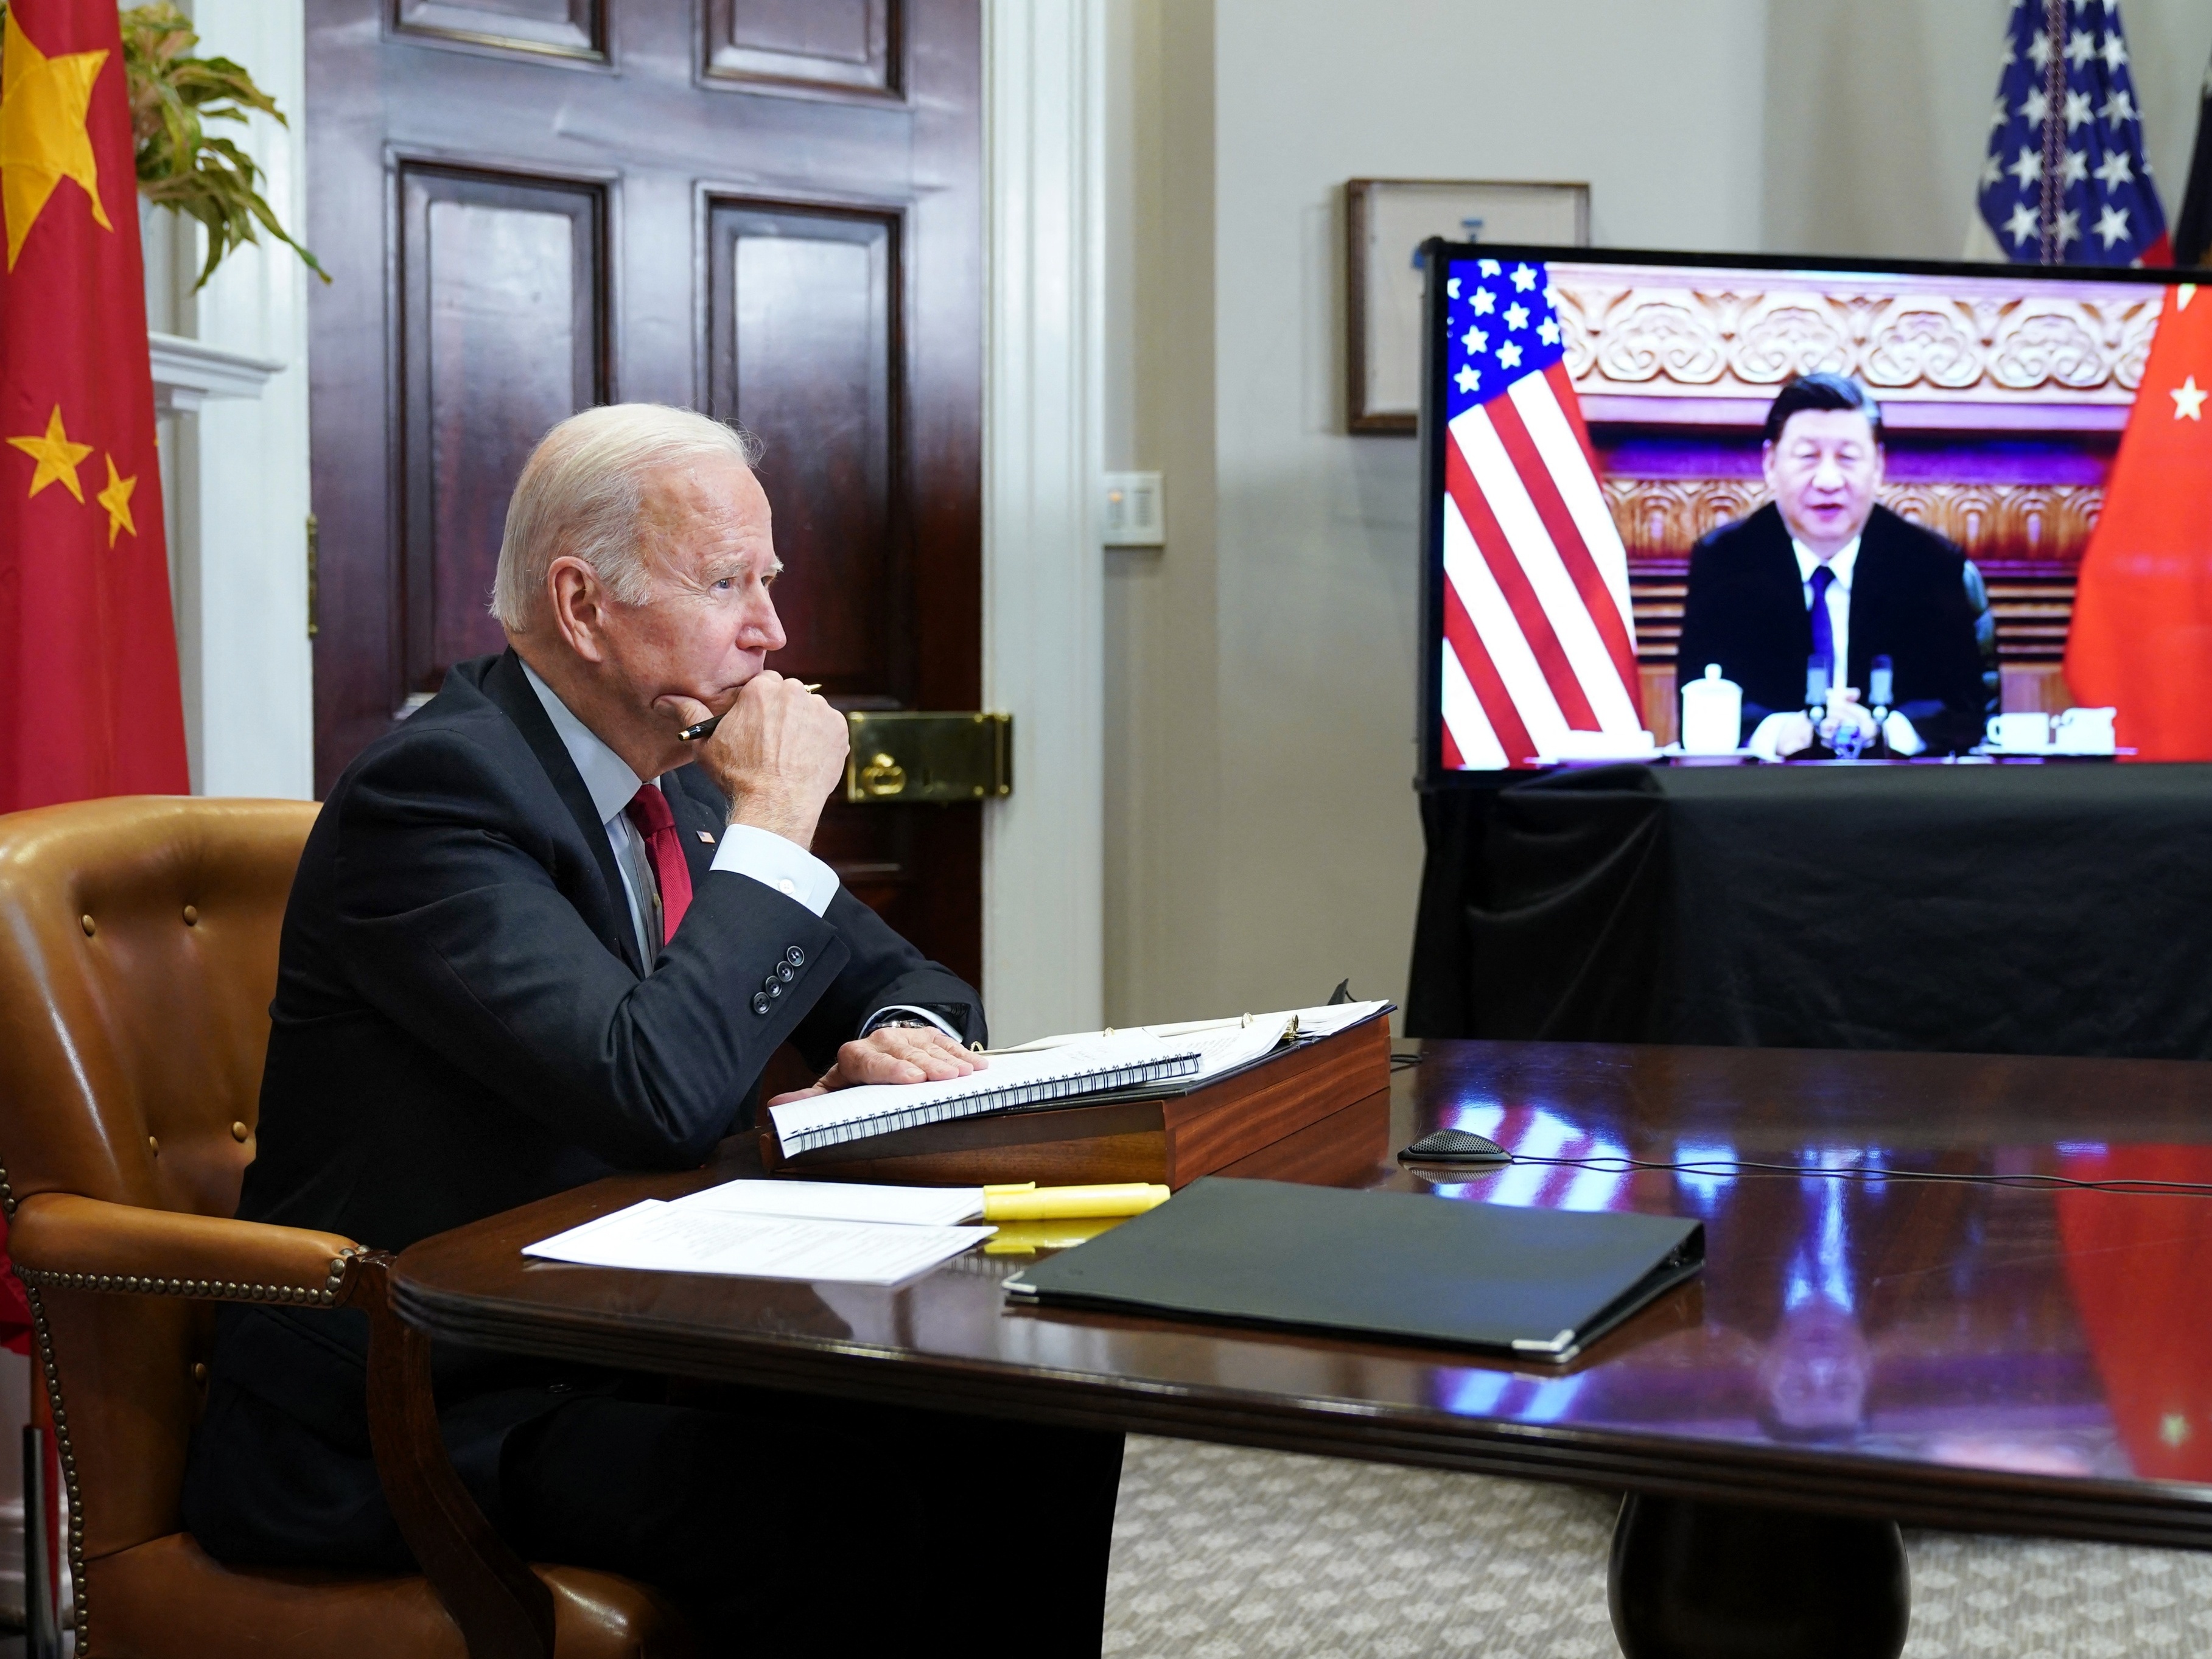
column 1044, row 565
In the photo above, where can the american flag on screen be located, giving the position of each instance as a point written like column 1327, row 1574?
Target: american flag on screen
column 2066, row 181
column 1539, row 638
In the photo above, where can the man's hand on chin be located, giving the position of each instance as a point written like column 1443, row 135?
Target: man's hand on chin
column 777, row 754
column 896, row 1054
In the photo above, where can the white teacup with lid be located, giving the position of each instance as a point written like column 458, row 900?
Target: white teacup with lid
column 2021, row 730
column 1713, row 715
column 2084, row 731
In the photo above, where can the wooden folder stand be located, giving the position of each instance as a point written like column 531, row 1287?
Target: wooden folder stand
column 1318, row 1113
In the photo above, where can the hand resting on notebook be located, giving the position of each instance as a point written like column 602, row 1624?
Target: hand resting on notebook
column 892, row 1054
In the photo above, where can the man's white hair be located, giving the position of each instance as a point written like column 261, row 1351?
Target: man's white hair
column 582, row 494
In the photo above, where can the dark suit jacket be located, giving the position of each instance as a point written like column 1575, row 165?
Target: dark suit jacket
column 1746, row 612
column 462, row 1025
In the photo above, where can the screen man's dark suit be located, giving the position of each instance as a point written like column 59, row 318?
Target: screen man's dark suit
column 1746, row 611
column 461, row 1025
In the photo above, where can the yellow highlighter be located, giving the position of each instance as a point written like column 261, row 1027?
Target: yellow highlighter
column 1030, row 1202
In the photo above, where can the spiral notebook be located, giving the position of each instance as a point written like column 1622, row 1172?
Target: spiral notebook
column 1088, row 1065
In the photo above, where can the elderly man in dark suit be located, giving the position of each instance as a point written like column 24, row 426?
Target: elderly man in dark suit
column 1825, row 573
column 537, row 937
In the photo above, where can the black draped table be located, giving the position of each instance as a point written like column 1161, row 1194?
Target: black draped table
column 2054, row 909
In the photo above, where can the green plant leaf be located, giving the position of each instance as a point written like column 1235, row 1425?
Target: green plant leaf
column 173, row 94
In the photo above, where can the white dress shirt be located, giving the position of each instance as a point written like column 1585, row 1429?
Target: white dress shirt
column 1897, row 729
column 744, row 850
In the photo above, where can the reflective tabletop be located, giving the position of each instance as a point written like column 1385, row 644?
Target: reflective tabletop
column 1996, row 1351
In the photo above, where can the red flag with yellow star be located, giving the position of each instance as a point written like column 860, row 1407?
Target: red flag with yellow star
column 2142, row 638
column 89, row 703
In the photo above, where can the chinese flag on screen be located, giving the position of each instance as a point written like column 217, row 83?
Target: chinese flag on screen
column 89, row 703
column 2142, row 639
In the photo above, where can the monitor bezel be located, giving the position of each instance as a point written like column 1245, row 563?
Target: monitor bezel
column 1433, row 775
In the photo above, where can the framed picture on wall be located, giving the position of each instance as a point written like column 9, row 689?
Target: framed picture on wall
column 1386, row 221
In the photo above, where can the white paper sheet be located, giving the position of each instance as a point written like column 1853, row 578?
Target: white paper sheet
column 840, row 1201
column 662, row 1238
column 1320, row 1022
column 1329, row 1021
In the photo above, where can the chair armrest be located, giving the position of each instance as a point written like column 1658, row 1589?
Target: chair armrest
column 77, row 1243
column 68, row 1241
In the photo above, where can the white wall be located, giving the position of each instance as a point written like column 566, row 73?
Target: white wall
column 234, row 473
column 1263, row 835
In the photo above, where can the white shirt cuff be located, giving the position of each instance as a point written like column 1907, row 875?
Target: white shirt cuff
column 771, row 860
column 1902, row 738
column 1766, row 738
column 908, row 1008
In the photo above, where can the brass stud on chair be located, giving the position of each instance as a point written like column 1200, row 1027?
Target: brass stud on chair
column 239, row 1133
column 154, row 1145
column 191, row 916
column 90, row 925
column 199, row 1370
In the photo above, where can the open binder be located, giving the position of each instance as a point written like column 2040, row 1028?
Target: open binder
column 1088, row 1066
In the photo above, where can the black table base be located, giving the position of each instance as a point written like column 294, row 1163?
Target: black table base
column 1710, row 1581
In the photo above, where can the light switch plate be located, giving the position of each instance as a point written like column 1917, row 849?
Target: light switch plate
column 1130, row 511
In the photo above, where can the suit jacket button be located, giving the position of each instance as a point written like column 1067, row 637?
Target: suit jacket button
column 786, row 972
column 774, row 986
column 794, row 956
column 760, row 1002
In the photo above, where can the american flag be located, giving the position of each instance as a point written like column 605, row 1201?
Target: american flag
column 2066, row 181
column 1539, row 638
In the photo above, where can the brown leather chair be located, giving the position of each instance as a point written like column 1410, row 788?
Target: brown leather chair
column 137, row 959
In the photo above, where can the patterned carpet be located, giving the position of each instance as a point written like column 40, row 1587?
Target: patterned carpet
column 1221, row 1553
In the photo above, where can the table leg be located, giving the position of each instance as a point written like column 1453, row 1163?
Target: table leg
column 1690, row 1580
column 503, row 1608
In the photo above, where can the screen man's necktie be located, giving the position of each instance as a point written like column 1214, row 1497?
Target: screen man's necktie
column 648, row 811
column 1824, row 625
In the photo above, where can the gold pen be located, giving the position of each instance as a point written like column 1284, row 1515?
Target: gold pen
column 706, row 728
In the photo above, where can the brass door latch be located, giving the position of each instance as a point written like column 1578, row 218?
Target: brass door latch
column 904, row 756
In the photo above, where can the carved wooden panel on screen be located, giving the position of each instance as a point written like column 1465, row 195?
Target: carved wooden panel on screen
column 503, row 329
column 848, row 44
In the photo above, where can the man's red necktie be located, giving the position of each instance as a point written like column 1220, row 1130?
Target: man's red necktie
column 648, row 811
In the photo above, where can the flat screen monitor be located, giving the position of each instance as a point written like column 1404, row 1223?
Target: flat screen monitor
column 1801, row 487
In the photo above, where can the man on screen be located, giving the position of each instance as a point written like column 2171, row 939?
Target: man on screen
column 1822, row 573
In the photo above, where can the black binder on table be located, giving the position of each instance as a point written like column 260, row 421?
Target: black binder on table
column 1539, row 1284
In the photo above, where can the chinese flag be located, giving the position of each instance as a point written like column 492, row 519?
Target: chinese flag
column 89, row 703
column 2142, row 639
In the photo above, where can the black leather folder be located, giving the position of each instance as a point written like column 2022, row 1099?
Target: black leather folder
column 1539, row 1284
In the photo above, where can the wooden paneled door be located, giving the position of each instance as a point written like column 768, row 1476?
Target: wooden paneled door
column 768, row 210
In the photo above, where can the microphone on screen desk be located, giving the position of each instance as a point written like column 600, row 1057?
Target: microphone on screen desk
column 1817, row 682
column 1882, row 691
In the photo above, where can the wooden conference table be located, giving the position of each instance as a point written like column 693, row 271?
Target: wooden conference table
column 1862, row 1351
